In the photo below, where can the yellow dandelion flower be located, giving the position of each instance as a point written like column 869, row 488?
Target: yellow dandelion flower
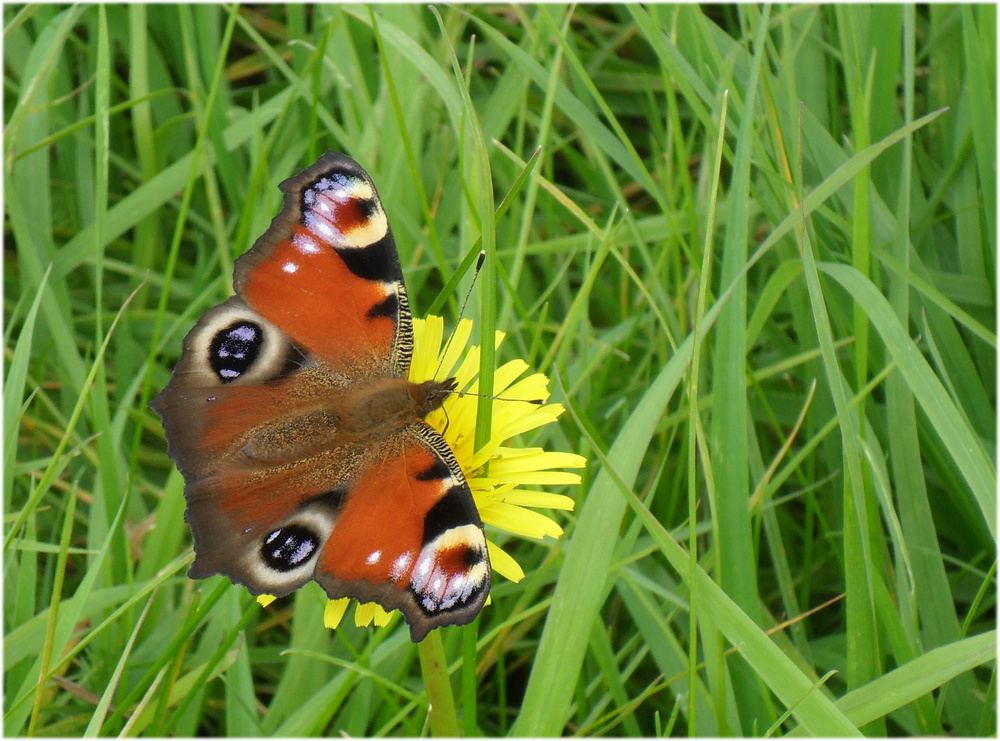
column 500, row 497
column 504, row 490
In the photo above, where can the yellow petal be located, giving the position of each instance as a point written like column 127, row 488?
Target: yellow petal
column 470, row 366
column 533, row 459
column 459, row 339
column 482, row 456
column 503, row 564
column 334, row 612
column 364, row 613
column 520, row 521
column 265, row 599
column 532, row 388
column 539, row 499
column 507, row 427
column 504, row 375
column 539, row 478
column 557, row 459
column 381, row 616
column 426, row 341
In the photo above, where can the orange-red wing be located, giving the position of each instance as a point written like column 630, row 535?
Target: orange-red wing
column 327, row 273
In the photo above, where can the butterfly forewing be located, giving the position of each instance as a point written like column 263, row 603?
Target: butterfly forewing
column 327, row 272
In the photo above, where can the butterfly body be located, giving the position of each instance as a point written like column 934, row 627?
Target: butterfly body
column 300, row 437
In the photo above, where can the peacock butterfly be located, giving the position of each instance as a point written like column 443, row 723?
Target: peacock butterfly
column 302, row 442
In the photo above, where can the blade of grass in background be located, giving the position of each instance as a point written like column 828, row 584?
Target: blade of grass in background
column 810, row 706
column 578, row 594
column 134, row 132
column 736, row 570
column 965, row 448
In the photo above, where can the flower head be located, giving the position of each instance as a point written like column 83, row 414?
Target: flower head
column 502, row 479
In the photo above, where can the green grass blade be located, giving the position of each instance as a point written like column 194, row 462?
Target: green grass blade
column 812, row 708
column 16, row 372
column 736, row 565
column 982, row 101
column 578, row 595
column 16, row 712
column 904, row 684
column 964, row 447
column 862, row 640
column 94, row 727
column 51, row 44
column 54, row 605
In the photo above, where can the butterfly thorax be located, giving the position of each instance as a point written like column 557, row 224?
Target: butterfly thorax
column 317, row 420
column 387, row 405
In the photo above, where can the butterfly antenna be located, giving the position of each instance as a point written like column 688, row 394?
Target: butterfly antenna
column 461, row 312
column 539, row 402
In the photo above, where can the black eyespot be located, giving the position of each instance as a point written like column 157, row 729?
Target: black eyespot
column 288, row 548
column 235, row 349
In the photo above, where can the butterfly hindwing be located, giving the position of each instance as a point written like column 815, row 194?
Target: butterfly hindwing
column 247, row 417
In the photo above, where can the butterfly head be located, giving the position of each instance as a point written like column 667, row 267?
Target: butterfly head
column 430, row 395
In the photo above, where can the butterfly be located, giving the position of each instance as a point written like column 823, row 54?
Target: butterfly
column 302, row 443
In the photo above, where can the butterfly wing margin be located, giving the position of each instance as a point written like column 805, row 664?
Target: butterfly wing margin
column 409, row 536
column 327, row 261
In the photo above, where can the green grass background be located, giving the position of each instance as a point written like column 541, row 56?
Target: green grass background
column 756, row 253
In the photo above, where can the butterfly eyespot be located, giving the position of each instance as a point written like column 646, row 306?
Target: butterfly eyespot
column 289, row 548
column 234, row 350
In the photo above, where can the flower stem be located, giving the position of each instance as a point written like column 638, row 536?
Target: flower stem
column 434, row 665
column 469, row 635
